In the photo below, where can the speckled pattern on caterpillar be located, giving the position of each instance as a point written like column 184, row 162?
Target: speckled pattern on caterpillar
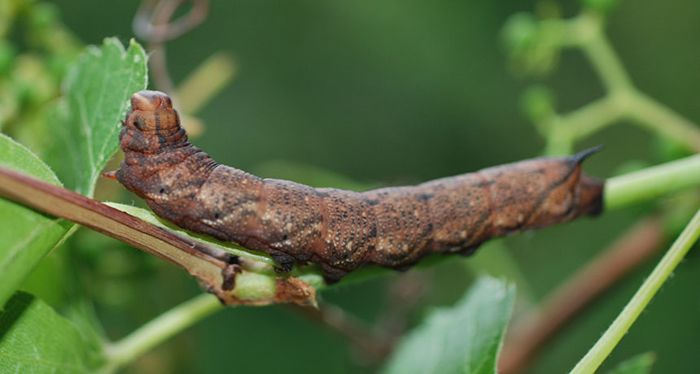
column 341, row 230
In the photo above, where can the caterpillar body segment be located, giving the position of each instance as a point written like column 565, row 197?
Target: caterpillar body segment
column 337, row 229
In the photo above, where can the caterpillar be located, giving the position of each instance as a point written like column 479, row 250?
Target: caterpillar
column 341, row 230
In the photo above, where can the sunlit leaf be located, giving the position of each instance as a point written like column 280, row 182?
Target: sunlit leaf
column 86, row 128
column 84, row 137
column 465, row 338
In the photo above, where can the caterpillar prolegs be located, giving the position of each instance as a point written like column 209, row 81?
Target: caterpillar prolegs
column 341, row 230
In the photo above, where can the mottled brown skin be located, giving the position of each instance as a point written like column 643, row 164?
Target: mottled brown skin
column 336, row 229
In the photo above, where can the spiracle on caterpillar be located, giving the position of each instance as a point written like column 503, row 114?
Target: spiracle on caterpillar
column 341, row 230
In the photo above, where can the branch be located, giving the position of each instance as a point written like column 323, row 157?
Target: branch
column 638, row 244
column 623, row 99
column 589, row 30
column 159, row 330
column 604, row 346
column 536, row 328
column 653, row 182
column 231, row 278
column 655, row 116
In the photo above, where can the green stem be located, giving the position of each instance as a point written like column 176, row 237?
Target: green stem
column 158, row 330
column 652, row 182
column 622, row 100
column 649, row 113
column 604, row 346
column 564, row 130
column 593, row 117
column 601, row 54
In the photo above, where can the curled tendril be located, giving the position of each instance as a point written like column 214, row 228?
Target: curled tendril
column 153, row 21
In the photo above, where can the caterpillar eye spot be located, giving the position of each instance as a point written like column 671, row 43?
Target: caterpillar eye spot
column 217, row 215
column 140, row 123
column 162, row 190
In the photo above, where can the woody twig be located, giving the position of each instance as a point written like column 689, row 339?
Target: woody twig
column 217, row 270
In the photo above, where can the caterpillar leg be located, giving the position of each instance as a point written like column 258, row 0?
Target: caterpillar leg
column 469, row 250
column 332, row 275
column 284, row 262
column 229, row 276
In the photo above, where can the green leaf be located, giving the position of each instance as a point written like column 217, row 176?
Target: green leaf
column 35, row 339
column 465, row 338
column 640, row 364
column 17, row 157
column 84, row 133
column 96, row 97
column 26, row 235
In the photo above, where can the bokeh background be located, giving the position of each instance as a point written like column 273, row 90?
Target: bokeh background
column 389, row 92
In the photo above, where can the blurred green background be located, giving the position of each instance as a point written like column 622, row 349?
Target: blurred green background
column 396, row 92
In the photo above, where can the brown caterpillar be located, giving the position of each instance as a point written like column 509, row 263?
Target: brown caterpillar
column 336, row 229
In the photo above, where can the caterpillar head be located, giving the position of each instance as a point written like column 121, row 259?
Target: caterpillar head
column 152, row 111
column 154, row 144
column 151, row 124
column 150, row 100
